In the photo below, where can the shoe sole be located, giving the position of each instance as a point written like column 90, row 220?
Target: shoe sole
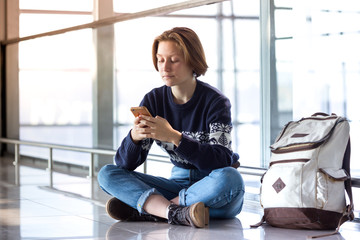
column 198, row 214
column 207, row 216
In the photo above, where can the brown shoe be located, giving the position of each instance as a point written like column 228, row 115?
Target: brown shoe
column 123, row 212
column 195, row 215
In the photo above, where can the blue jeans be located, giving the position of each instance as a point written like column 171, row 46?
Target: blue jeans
column 222, row 190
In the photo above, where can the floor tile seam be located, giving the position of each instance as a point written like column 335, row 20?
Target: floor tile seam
column 52, row 207
column 129, row 230
column 73, row 195
column 67, row 212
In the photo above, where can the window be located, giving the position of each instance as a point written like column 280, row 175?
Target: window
column 317, row 62
column 55, row 78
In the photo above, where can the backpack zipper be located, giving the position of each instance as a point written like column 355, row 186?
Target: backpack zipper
column 301, row 160
column 297, row 147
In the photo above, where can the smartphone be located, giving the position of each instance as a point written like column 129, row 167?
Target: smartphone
column 140, row 111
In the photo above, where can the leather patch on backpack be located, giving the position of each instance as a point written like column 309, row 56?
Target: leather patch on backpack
column 279, row 185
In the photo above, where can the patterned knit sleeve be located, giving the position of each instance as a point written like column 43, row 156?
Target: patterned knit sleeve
column 212, row 149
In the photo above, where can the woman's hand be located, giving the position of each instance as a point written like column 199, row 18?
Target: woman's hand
column 138, row 132
column 157, row 128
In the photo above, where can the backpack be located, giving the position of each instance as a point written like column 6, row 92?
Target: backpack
column 309, row 172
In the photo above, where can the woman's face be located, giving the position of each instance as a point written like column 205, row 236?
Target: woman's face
column 171, row 64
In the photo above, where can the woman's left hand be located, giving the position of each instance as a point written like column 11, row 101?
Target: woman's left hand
column 160, row 129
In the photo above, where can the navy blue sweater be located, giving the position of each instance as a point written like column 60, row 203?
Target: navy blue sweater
column 205, row 124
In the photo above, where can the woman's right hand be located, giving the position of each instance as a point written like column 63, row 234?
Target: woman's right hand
column 138, row 132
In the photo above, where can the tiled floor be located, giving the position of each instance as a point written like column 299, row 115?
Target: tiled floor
column 74, row 209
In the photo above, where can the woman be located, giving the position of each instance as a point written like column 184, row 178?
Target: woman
column 192, row 124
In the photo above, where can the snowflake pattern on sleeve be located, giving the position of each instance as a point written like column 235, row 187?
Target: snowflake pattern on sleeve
column 146, row 144
column 220, row 133
column 169, row 148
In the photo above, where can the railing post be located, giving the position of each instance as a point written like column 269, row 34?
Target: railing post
column 145, row 167
column 50, row 160
column 16, row 164
column 91, row 174
column 91, row 166
column 50, row 166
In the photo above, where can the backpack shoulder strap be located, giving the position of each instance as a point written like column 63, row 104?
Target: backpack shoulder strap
column 346, row 165
column 259, row 223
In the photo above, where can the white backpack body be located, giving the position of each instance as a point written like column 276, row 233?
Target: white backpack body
column 304, row 185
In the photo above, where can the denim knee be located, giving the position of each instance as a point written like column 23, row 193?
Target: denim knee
column 103, row 174
column 229, row 178
column 107, row 174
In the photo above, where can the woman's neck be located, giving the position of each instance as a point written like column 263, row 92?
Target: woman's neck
column 182, row 94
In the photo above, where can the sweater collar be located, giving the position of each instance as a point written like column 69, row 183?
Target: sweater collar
column 188, row 104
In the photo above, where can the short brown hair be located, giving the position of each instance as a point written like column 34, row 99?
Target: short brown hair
column 189, row 43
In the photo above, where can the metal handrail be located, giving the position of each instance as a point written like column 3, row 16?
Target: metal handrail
column 91, row 151
column 58, row 146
